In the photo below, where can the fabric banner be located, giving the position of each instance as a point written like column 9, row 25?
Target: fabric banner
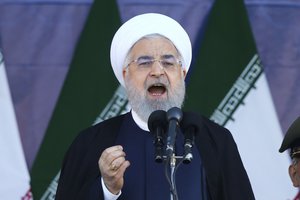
column 88, row 87
column 227, row 84
column 14, row 181
column 232, row 90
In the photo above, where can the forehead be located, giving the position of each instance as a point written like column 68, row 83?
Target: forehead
column 157, row 46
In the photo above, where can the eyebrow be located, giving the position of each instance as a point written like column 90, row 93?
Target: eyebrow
column 165, row 56
column 144, row 58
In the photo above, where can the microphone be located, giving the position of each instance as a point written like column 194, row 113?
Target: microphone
column 157, row 125
column 174, row 116
column 191, row 125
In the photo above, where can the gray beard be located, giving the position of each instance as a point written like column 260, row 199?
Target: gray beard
column 144, row 106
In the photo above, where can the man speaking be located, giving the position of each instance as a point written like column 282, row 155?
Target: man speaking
column 151, row 55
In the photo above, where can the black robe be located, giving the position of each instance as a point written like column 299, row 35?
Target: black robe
column 226, row 178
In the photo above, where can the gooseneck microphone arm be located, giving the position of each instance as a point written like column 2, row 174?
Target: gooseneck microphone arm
column 158, row 144
column 189, row 136
column 157, row 124
column 173, row 122
column 174, row 116
column 190, row 124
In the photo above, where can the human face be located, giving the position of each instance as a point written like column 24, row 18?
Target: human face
column 294, row 171
column 156, row 86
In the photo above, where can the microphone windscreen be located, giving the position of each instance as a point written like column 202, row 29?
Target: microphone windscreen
column 174, row 113
column 157, row 119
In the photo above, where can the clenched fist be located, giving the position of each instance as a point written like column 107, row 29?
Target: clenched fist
column 112, row 165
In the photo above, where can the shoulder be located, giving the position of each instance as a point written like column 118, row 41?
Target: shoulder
column 93, row 139
column 98, row 128
column 213, row 126
column 102, row 131
column 219, row 136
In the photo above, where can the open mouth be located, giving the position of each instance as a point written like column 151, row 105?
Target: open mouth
column 157, row 89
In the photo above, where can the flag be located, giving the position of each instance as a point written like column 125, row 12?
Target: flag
column 89, row 85
column 14, row 181
column 241, row 74
column 228, row 84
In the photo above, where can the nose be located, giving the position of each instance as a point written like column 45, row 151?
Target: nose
column 157, row 69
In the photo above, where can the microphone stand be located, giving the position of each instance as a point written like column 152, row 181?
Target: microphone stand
column 172, row 163
column 156, row 122
column 173, row 193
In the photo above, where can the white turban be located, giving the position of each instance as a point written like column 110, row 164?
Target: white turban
column 141, row 25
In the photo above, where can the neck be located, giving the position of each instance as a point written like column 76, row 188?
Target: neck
column 142, row 124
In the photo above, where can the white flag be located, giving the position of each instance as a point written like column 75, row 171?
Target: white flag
column 256, row 130
column 14, row 176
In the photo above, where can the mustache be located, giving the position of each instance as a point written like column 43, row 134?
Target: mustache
column 161, row 81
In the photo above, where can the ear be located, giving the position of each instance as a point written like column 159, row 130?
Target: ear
column 184, row 73
column 294, row 175
column 124, row 71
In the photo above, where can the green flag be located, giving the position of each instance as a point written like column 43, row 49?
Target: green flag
column 89, row 85
column 228, row 85
column 227, row 48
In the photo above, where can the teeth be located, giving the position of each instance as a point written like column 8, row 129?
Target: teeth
column 158, row 84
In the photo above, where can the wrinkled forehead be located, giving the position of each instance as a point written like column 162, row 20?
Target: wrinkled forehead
column 153, row 45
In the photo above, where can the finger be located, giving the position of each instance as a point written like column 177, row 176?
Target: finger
column 121, row 170
column 114, row 148
column 109, row 150
column 114, row 155
column 115, row 164
column 106, row 161
column 113, row 161
column 114, row 182
column 109, row 154
column 118, row 161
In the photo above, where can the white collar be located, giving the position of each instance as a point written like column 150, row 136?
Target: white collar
column 143, row 125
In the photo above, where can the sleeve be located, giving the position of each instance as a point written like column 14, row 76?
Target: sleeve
column 78, row 177
column 107, row 194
